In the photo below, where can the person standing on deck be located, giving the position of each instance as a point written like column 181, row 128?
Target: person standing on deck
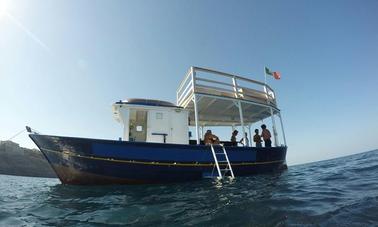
column 233, row 138
column 246, row 144
column 257, row 138
column 265, row 134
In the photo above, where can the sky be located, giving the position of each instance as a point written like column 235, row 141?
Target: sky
column 64, row 63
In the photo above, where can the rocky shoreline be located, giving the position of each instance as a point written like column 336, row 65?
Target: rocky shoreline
column 20, row 161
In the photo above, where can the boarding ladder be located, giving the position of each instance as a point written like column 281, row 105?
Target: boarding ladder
column 222, row 163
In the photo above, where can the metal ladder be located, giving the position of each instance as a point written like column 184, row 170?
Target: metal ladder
column 222, row 171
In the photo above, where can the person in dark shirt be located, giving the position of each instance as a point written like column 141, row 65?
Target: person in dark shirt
column 265, row 134
column 233, row 138
column 257, row 138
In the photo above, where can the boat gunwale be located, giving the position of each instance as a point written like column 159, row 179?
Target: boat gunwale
column 154, row 144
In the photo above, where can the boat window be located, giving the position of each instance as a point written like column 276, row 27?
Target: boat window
column 159, row 116
column 138, row 125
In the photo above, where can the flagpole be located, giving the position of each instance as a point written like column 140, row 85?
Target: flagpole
column 265, row 74
column 265, row 79
column 271, row 110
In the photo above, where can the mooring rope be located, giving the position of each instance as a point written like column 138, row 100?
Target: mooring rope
column 26, row 129
column 17, row 134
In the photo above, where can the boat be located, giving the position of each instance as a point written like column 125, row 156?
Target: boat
column 163, row 142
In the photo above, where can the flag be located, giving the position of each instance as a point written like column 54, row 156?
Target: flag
column 268, row 72
column 276, row 75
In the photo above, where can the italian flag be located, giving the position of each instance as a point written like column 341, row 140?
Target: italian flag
column 276, row 75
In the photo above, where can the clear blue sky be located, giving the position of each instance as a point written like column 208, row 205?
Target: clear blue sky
column 63, row 63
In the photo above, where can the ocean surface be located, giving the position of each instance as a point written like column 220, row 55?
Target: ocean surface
column 337, row 192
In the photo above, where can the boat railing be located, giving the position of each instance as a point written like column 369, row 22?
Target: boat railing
column 211, row 82
column 218, row 98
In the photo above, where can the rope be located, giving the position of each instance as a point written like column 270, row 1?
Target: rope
column 27, row 128
column 17, row 134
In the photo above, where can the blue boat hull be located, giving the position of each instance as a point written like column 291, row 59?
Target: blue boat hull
column 94, row 162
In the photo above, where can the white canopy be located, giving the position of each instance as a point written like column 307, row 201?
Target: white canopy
column 218, row 102
column 216, row 98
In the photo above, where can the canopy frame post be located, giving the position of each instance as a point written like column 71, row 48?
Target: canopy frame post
column 282, row 128
column 196, row 118
column 250, row 135
column 274, row 127
column 202, row 135
column 195, row 100
column 242, row 120
column 239, row 104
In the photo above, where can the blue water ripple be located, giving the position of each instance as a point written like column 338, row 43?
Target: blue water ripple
column 337, row 192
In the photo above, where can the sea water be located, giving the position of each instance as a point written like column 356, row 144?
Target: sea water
column 338, row 192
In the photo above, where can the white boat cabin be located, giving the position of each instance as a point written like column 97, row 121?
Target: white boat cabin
column 155, row 121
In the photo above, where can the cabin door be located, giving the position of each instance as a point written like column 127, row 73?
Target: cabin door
column 158, row 127
column 138, row 125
